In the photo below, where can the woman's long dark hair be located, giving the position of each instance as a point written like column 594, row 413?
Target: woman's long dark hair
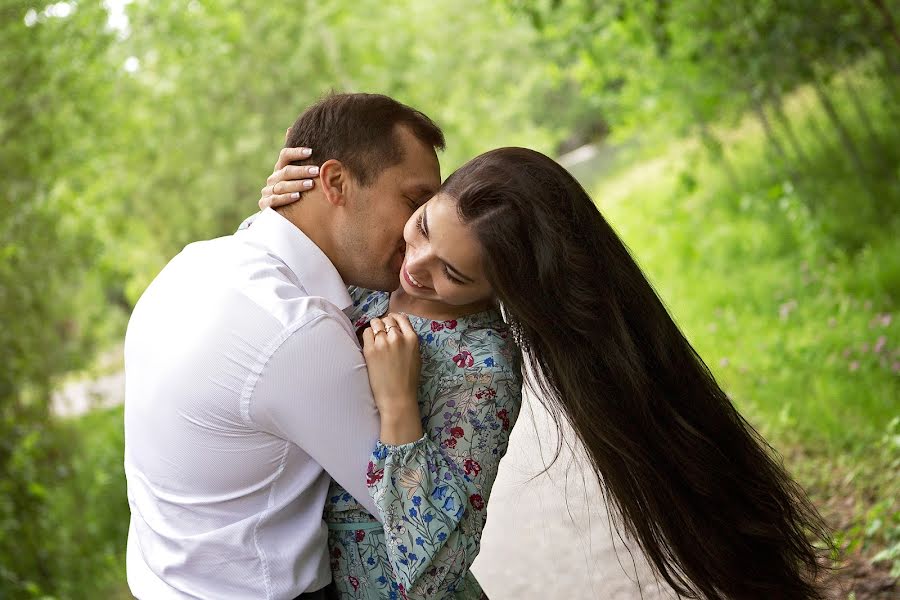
column 697, row 487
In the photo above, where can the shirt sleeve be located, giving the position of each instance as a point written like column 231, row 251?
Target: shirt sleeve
column 432, row 494
column 314, row 391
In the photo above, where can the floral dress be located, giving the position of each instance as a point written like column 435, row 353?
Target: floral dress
column 432, row 493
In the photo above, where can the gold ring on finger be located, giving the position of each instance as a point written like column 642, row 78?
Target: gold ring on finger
column 381, row 331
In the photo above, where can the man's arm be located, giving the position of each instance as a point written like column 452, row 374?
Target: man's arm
column 314, row 391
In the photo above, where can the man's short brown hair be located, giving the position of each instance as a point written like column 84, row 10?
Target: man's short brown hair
column 359, row 130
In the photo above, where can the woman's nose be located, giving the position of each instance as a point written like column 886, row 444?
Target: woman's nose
column 417, row 263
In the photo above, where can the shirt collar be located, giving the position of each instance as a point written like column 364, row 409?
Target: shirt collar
column 313, row 269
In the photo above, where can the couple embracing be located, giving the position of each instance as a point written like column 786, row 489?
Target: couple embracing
column 317, row 405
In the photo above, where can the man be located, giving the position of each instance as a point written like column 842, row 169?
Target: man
column 245, row 383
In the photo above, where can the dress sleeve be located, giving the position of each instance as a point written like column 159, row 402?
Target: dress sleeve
column 432, row 493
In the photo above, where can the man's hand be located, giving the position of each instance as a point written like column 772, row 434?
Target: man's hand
column 287, row 182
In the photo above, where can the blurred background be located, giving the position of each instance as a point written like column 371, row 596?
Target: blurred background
column 748, row 152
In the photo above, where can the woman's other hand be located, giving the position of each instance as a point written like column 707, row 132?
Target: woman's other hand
column 391, row 350
column 288, row 182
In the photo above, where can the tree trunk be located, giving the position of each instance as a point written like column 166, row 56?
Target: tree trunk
column 785, row 122
column 862, row 113
column 714, row 147
column 760, row 110
column 817, row 130
column 889, row 24
column 846, row 139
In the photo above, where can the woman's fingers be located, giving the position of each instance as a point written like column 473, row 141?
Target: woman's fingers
column 289, row 155
column 291, row 173
column 405, row 326
column 287, row 184
column 391, row 326
column 368, row 338
column 283, row 194
column 377, row 327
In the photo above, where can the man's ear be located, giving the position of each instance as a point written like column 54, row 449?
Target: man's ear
column 335, row 181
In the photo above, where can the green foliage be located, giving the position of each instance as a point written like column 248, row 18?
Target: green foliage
column 69, row 541
column 789, row 292
column 769, row 237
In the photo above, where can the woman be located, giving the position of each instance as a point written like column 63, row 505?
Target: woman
column 680, row 469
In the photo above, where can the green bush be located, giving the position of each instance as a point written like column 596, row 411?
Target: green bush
column 67, row 538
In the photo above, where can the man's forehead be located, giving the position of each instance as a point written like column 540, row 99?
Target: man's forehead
column 421, row 186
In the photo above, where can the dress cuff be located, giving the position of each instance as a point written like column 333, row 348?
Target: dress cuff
column 382, row 450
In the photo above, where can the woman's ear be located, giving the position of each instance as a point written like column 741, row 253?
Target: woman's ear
column 334, row 181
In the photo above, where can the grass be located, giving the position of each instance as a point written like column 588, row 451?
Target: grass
column 787, row 286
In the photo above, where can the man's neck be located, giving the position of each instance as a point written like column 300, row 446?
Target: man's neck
column 312, row 226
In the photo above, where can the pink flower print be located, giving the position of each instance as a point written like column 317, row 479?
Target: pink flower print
column 451, row 324
column 373, row 475
column 464, row 359
column 490, row 392
column 477, row 501
column 472, row 467
column 450, row 442
column 360, row 535
column 435, row 326
column 457, row 432
column 354, row 582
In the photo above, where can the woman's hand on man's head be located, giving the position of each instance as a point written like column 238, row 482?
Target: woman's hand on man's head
column 287, row 182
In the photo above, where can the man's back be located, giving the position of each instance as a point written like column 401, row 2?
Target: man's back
column 242, row 376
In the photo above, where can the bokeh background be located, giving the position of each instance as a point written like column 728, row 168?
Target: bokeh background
column 748, row 152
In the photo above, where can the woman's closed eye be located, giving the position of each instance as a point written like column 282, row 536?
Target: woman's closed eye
column 421, row 227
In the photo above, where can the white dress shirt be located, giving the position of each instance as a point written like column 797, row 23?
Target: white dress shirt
column 245, row 387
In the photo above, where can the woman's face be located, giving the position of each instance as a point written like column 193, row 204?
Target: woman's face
column 443, row 261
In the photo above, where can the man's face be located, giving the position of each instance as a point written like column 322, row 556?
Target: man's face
column 373, row 236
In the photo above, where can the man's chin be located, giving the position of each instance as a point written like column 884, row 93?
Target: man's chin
column 384, row 284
